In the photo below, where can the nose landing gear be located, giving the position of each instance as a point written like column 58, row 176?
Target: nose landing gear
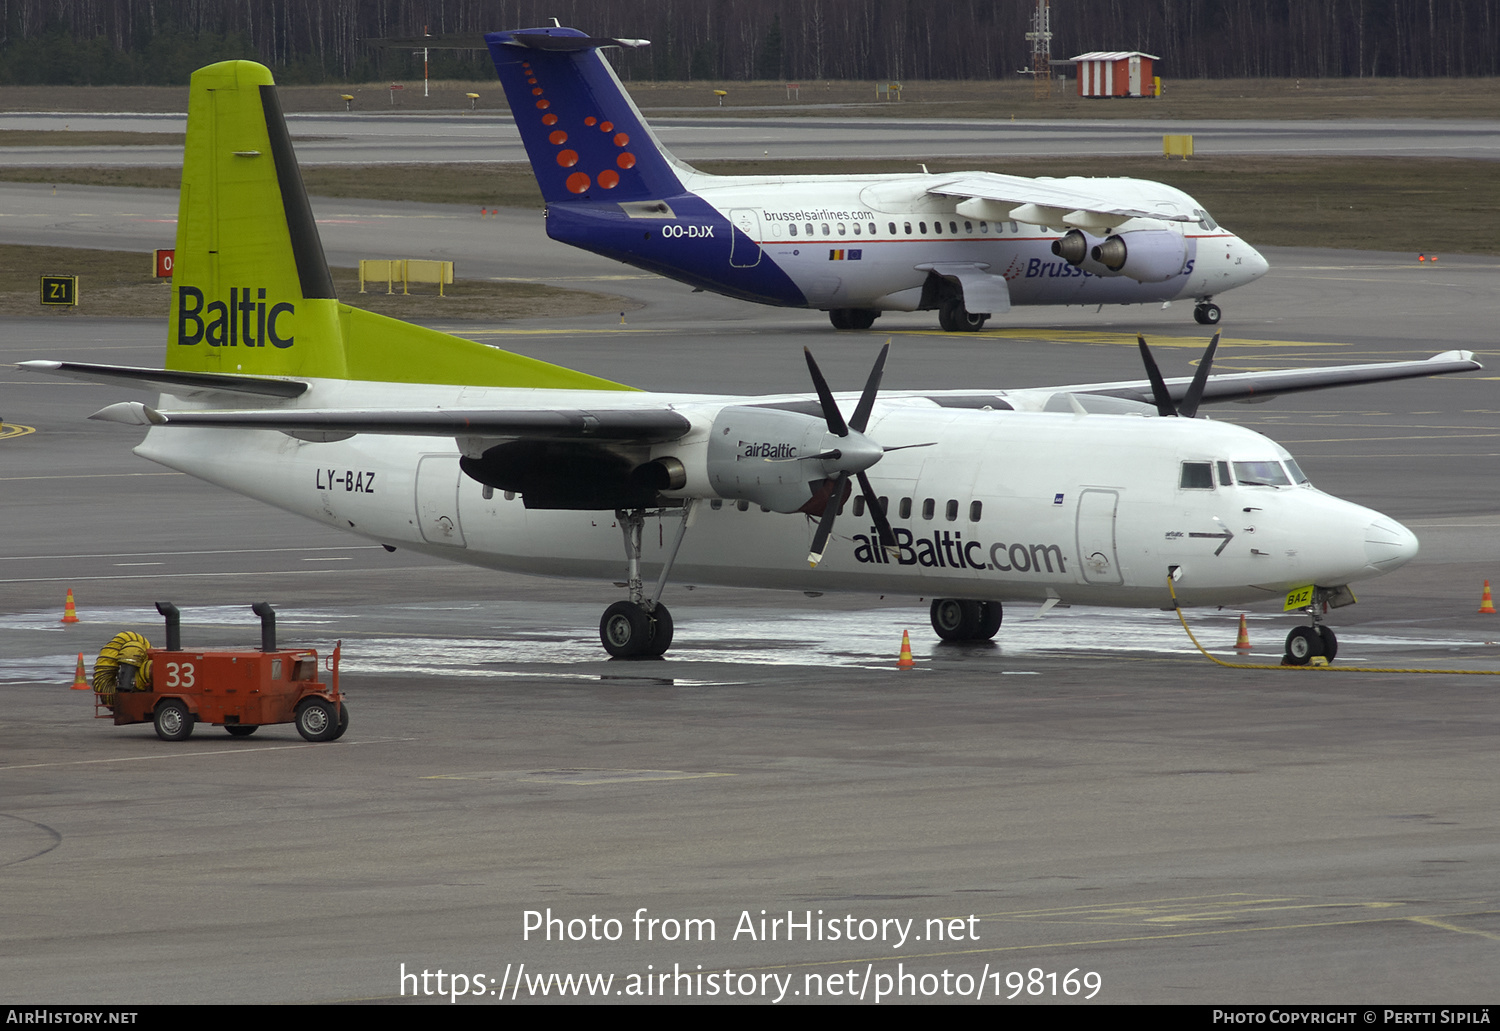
column 1315, row 641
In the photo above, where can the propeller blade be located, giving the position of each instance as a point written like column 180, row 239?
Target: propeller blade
column 903, row 447
column 1200, row 380
column 1159, row 392
column 825, row 525
column 877, row 513
column 867, row 399
column 831, row 414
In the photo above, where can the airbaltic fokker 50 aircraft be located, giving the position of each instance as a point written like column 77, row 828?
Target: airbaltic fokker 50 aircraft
column 968, row 244
column 421, row 440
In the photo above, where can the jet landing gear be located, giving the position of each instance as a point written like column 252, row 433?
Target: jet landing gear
column 955, row 318
column 853, row 318
column 957, row 619
column 1207, row 313
column 641, row 628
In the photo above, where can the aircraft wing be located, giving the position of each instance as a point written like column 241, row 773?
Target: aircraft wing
column 1062, row 196
column 635, row 425
column 1251, row 387
column 180, row 384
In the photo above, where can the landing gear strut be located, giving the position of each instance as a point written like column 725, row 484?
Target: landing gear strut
column 1207, row 313
column 641, row 628
column 957, row 619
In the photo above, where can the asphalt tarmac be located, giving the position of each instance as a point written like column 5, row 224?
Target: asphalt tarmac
column 380, row 138
column 1087, row 795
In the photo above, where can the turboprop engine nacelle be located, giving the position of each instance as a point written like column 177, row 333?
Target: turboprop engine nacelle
column 1145, row 255
column 767, row 456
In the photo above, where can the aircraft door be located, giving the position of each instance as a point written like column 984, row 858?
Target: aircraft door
column 1096, row 537
column 438, row 480
column 744, row 238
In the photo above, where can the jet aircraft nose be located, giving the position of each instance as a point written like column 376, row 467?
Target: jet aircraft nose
column 1253, row 264
column 1389, row 545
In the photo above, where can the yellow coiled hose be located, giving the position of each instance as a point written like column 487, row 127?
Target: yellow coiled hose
column 127, row 648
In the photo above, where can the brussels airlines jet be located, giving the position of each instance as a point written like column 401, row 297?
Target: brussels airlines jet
column 968, row 244
column 416, row 439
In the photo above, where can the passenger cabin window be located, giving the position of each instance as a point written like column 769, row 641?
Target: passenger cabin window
column 1014, row 228
column 1197, row 476
column 809, row 229
column 975, row 508
column 1260, row 474
column 859, row 506
column 905, row 509
column 792, row 229
column 968, row 227
column 908, row 228
column 984, row 227
column 872, row 228
column 937, row 227
column 923, row 227
column 950, row 512
column 825, row 230
column 843, row 229
column 953, row 228
column 857, row 228
column 885, row 506
column 928, row 508
column 893, row 228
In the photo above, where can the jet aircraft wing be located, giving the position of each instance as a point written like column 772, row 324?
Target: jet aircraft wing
column 1062, row 196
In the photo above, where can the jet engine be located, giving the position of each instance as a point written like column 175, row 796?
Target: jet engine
column 1145, row 255
column 1076, row 247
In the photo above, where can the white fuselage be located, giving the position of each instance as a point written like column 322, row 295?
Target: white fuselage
column 1004, row 505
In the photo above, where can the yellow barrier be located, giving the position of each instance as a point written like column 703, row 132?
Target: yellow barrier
column 1177, row 145
column 405, row 271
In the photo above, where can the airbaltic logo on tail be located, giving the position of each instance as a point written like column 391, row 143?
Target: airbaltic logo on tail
column 243, row 321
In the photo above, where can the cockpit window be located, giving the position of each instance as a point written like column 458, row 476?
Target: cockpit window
column 1224, row 478
column 1197, row 476
column 1261, row 474
column 1298, row 476
column 1205, row 219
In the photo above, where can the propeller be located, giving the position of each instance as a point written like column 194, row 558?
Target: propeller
column 857, row 455
column 1163, row 397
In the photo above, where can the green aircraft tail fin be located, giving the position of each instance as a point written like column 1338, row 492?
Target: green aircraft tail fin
column 251, row 289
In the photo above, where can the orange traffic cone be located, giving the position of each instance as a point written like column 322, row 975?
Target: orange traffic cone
column 70, row 614
column 80, row 682
column 905, row 662
column 1487, row 603
column 1242, row 644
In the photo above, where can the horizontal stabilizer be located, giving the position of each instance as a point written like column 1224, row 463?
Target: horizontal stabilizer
column 179, row 384
column 539, row 39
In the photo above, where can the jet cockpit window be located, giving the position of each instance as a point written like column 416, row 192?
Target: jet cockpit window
column 1204, row 219
column 1197, row 476
column 1261, row 474
column 1225, row 480
column 1298, row 476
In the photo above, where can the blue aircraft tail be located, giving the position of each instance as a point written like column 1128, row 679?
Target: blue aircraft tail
column 585, row 137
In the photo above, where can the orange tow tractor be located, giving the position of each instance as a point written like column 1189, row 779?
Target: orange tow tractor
column 238, row 690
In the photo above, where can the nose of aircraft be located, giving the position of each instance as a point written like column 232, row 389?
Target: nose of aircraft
column 1253, row 264
column 1389, row 545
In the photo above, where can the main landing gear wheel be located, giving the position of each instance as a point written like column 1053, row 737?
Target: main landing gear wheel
column 853, row 318
column 956, row 619
column 954, row 318
column 174, row 722
column 1306, row 643
column 1207, row 314
column 628, row 631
